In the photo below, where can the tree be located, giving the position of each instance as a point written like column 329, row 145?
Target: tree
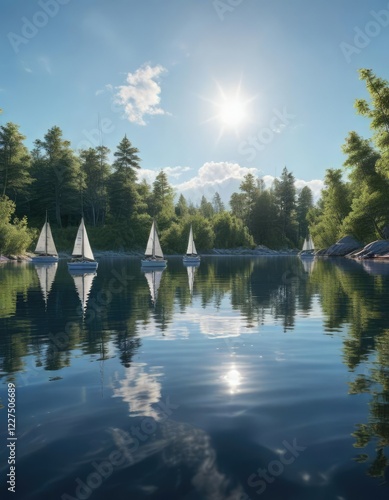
column 162, row 207
column 218, row 205
column 304, row 204
column 58, row 180
column 206, row 208
column 285, row 195
column 181, row 208
column 378, row 112
column 96, row 170
column 266, row 229
column 15, row 237
column 123, row 192
column 369, row 215
column 230, row 231
column 15, row 162
column 237, row 204
column 326, row 222
column 250, row 191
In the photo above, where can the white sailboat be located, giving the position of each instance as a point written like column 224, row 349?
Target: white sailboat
column 153, row 278
column 45, row 250
column 82, row 255
column 153, row 254
column 46, row 275
column 191, row 256
column 83, row 283
column 308, row 248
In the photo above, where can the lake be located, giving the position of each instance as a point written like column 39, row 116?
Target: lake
column 244, row 378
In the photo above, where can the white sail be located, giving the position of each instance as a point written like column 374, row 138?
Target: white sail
column 46, row 275
column 305, row 246
column 153, row 248
column 191, row 250
column 154, row 280
column 311, row 245
column 45, row 243
column 83, row 283
column 82, row 246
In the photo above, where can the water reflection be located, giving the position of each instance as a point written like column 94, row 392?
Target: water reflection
column 234, row 299
column 46, row 275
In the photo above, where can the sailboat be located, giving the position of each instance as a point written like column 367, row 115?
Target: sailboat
column 83, row 283
column 153, row 277
column 308, row 248
column 82, row 255
column 153, row 254
column 45, row 248
column 46, row 274
column 191, row 256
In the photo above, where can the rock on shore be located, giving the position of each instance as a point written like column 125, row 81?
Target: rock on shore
column 376, row 249
column 344, row 246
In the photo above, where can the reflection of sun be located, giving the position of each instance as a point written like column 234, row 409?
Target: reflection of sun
column 231, row 110
column 233, row 378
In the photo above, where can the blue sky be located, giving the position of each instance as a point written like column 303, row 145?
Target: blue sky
column 206, row 89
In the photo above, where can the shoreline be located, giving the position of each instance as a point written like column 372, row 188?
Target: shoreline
column 216, row 252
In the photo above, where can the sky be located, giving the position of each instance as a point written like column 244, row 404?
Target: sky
column 207, row 90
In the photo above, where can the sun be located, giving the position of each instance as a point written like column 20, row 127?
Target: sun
column 232, row 112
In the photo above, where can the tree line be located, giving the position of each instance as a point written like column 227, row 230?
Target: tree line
column 118, row 207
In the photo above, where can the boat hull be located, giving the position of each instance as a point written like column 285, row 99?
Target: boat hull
column 151, row 263
column 307, row 254
column 191, row 260
column 83, row 266
column 44, row 259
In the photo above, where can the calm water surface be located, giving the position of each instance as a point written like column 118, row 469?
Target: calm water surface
column 243, row 378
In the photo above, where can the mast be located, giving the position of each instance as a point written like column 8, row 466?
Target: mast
column 46, row 234
column 154, row 239
column 82, row 238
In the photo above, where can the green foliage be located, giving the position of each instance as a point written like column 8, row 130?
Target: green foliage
column 206, row 208
column 265, row 229
column 378, row 113
column 95, row 170
column 15, row 237
column 285, row 196
column 58, row 182
column 162, row 204
column 175, row 238
column 230, row 231
column 326, row 224
column 304, row 204
column 15, row 162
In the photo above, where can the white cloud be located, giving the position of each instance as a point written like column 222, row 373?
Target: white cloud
column 106, row 88
column 224, row 177
column 171, row 172
column 141, row 96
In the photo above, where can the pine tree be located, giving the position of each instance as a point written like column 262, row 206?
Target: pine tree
column 15, row 163
column 58, row 180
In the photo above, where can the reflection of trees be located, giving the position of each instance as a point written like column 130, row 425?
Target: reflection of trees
column 119, row 307
column 351, row 296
